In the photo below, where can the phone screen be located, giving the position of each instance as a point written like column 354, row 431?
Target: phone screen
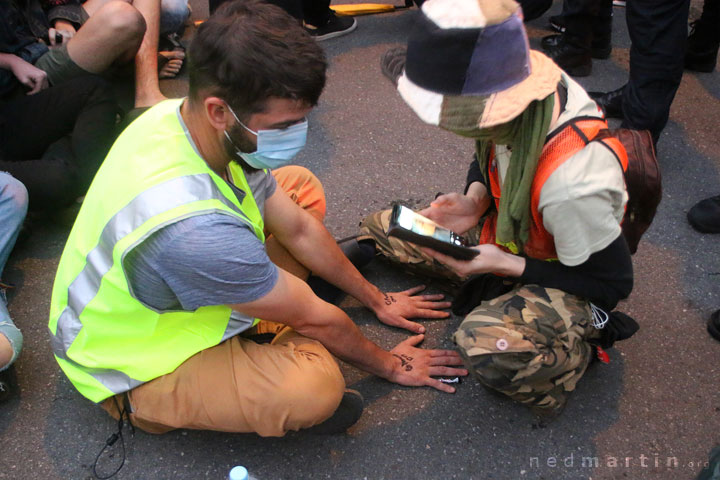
column 410, row 220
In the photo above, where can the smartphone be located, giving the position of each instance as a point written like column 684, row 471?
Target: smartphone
column 414, row 228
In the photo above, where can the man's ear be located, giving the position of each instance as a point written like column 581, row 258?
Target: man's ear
column 217, row 113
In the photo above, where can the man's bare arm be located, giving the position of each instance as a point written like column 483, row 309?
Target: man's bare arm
column 291, row 302
column 311, row 244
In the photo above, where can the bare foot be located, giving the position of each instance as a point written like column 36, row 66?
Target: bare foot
column 174, row 62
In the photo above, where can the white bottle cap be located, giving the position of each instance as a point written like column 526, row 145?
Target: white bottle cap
column 238, row 473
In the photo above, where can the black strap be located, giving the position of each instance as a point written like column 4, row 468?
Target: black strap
column 112, row 439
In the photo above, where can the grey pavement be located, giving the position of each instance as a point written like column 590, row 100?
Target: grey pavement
column 655, row 404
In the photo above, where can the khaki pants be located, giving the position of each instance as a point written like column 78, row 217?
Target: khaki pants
column 242, row 386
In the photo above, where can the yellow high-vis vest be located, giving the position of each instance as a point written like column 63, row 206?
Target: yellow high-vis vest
column 106, row 340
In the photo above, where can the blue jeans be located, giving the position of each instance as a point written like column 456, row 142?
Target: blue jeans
column 173, row 14
column 13, row 207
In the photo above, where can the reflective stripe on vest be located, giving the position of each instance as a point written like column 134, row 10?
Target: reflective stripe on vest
column 104, row 338
column 82, row 290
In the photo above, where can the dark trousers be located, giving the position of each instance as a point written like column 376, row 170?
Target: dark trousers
column 658, row 30
column 533, row 9
column 54, row 141
column 587, row 20
column 313, row 12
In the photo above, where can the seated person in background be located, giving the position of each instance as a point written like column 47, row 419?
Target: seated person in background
column 187, row 238
column 54, row 139
column 106, row 34
column 548, row 194
column 13, row 206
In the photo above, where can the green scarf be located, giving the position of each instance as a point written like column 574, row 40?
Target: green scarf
column 526, row 135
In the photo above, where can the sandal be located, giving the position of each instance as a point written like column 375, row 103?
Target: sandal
column 171, row 56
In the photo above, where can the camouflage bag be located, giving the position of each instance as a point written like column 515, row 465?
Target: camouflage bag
column 530, row 344
column 406, row 255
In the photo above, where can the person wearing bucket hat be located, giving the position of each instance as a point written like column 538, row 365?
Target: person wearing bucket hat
column 547, row 193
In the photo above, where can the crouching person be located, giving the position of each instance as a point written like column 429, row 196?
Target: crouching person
column 552, row 256
column 187, row 238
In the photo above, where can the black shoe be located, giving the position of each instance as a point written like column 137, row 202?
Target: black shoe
column 334, row 27
column 557, row 23
column 359, row 252
column 610, row 102
column 576, row 61
column 7, row 384
column 702, row 48
column 347, row 414
column 392, row 63
column 599, row 49
column 713, row 325
column 704, row 216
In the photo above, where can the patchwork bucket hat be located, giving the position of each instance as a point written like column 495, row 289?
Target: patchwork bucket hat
column 469, row 65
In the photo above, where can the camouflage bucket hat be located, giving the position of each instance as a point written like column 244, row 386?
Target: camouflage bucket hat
column 469, row 65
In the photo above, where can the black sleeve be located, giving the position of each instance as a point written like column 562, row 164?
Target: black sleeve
column 604, row 279
column 474, row 174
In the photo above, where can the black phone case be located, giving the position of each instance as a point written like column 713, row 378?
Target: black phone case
column 455, row 251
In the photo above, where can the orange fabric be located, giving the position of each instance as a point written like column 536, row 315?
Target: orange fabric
column 559, row 149
column 303, row 187
column 242, row 386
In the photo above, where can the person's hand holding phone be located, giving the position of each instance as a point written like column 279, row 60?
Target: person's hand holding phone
column 491, row 260
column 458, row 212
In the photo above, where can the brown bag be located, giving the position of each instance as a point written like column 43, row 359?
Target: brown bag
column 642, row 179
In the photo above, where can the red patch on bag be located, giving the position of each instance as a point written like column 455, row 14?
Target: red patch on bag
column 602, row 355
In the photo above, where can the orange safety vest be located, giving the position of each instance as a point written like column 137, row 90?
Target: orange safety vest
column 559, row 147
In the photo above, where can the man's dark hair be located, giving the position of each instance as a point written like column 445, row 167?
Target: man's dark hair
column 249, row 51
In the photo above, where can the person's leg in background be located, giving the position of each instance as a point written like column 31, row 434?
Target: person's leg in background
column 704, row 41
column 13, row 207
column 147, row 83
column 658, row 30
column 322, row 23
column 173, row 15
column 586, row 35
column 55, row 141
column 110, row 38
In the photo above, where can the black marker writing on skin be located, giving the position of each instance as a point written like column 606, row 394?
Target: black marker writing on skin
column 389, row 299
column 404, row 361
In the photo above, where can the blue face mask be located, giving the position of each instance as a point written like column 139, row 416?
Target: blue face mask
column 275, row 148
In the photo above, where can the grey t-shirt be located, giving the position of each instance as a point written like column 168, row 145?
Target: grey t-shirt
column 211, row 259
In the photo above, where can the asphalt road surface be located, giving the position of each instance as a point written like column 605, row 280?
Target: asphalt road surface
column 653, row 412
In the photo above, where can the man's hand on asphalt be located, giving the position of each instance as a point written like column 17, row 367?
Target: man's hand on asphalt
column 397, row 307
column 415, row 367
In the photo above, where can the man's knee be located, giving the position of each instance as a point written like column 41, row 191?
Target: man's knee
column 14, row 193
column 318, row 394
column 122, row 20
column 303, row 187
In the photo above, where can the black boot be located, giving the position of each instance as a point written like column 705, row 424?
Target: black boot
column 704, row 216
column 702, row 46
column 600, row 47
column 610, row 102
column 571, row 56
